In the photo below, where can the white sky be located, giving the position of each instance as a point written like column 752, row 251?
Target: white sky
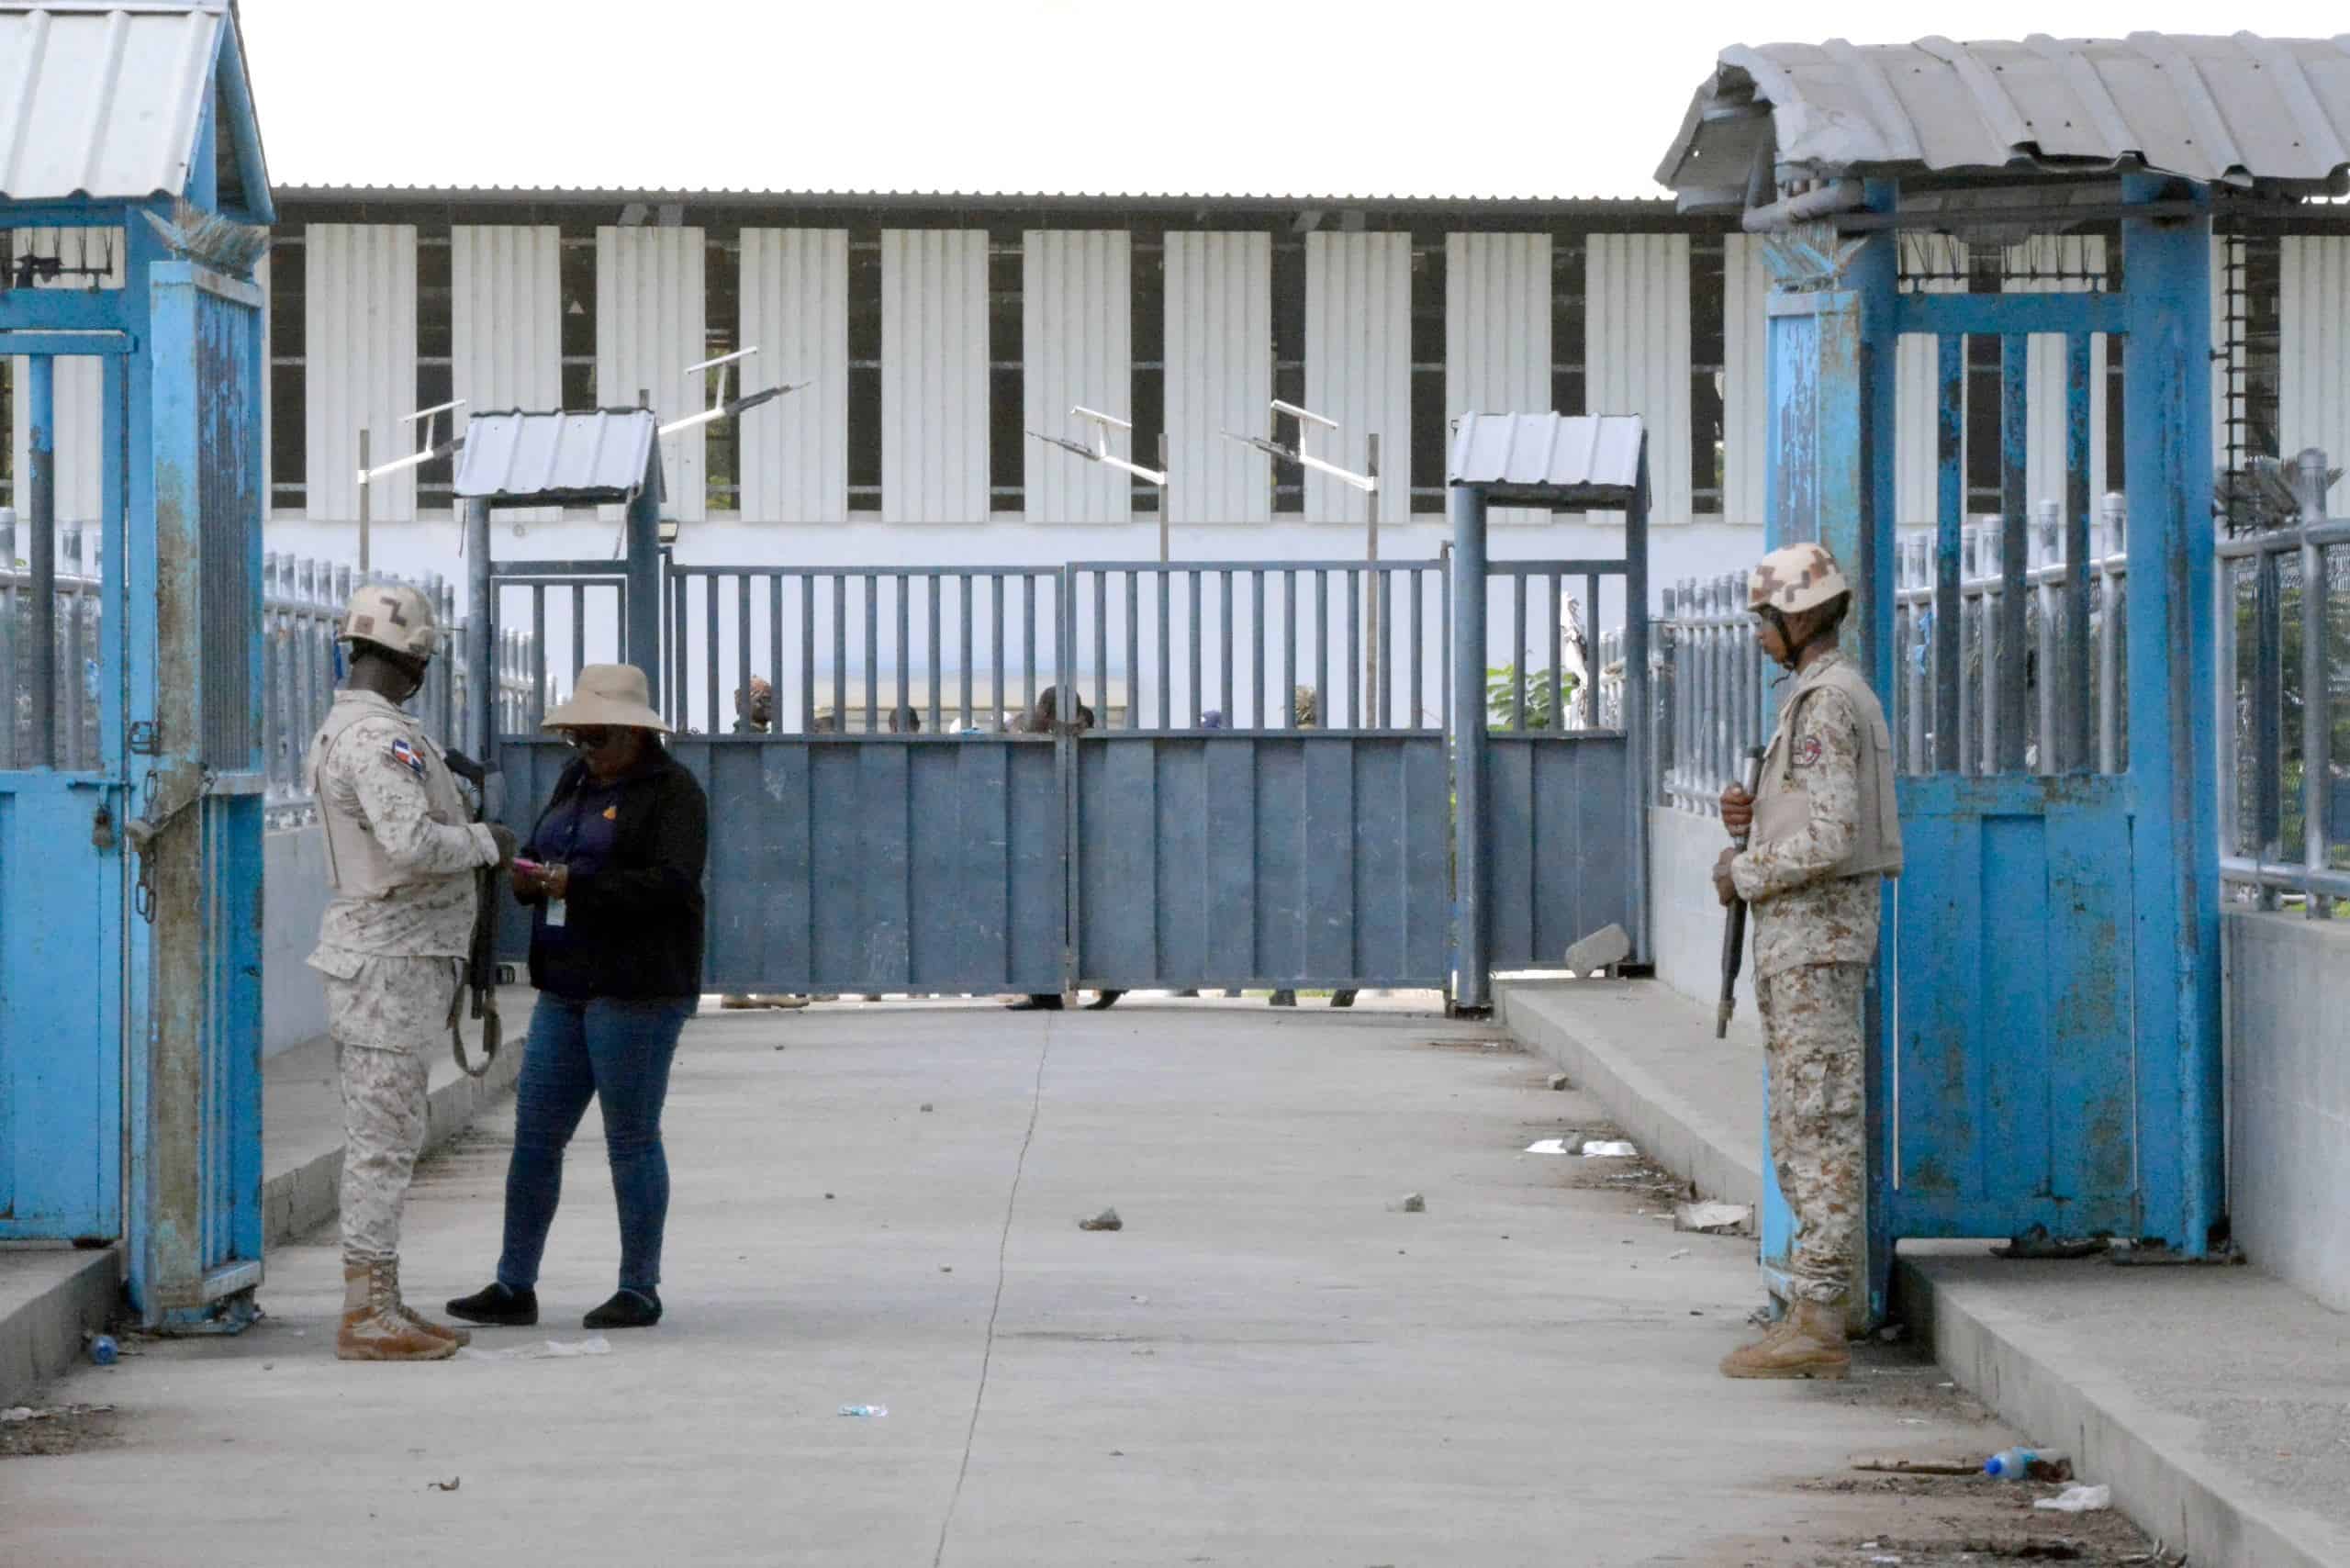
column 1457, row 98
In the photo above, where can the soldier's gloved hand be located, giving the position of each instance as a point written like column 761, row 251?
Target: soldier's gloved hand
column 1723, row 888
column 1737, row 809
column 506, row 844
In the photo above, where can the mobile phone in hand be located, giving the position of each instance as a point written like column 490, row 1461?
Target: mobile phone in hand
column 528, row 867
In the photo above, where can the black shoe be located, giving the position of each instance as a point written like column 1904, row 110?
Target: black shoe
column 1342, row 999
column 1281, row 998
column 1034, row 1004
column 1104, row 1001
column 627, row 1309
column 496, row 1306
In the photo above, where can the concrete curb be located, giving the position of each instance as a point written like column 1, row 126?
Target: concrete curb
column 48, row 1299
column 2020, row 1366
column 299, row 1200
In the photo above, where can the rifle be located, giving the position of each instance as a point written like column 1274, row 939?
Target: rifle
column 1734, row 928
column 481, row 960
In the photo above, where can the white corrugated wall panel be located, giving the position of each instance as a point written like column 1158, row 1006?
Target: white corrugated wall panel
column 1219, row 358
column 795, row 310
column 79, row 382
column 505, row 322
column 1359, row 369
column 650, row 325
column 2313, row 363
column 2045, row 368
column 1077, row 339
column 1746, row 381
column 935, row 374
column 359, row 365
column 1497, row 332
column 1636, row 331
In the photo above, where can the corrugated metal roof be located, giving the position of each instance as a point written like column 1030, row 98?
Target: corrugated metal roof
column 103, row 101
column 733, row 195
column 580, row 459
column 2233, row 110
column 1565, row 462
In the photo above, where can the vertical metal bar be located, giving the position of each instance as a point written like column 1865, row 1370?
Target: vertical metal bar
column 1950, row 513
column 1321, row 647
column 905, row 648
column 1419, row 647
column 40, row 560
column 2317, row 760
column 2047, row 596
column 673, row 616
column 2015, row 545
column 538, row 653
column 1257, row 639
column 1028, row 625
column 1444, row 634
column 72, row 687
column 1223, row 661
column 807, row 654
column 775, row 653
column 1517, row 650
column 1166, row 649
column 1288, row 693
column 1593, row 663
column 995, row 599
column 840, row 653
column 1559, row 653
column 872, row 653
column 2077, row 406
column 1133, row 636
column 709, row 599
column 1354, row 648
column 1101, row 641
column 2268, row 717
column 2227, row 677
column 965, row 579
column 1192, row 582
column 1382, row 637
column 1065, row 765
column 937, row 666
column 741, row 651
column 1467, row 647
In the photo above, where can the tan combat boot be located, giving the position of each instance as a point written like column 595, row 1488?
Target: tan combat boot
column 458, row 1337
column 374, row 1327
column 1808, row 1342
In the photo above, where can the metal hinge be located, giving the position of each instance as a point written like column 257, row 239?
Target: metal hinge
column 146, row 737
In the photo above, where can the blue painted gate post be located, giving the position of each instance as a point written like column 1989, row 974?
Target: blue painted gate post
column 1470, row 979
column 2167, row 475
column 644, row 594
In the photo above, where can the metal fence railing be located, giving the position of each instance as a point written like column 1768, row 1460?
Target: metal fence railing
column 2282, row 710
column 302, row 601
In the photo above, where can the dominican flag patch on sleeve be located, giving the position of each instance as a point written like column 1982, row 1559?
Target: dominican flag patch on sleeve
column 407, row 756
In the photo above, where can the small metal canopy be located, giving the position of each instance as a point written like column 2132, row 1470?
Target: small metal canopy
column 108, row 101
column 2239, row 111
column 604, row 456
column 1558, row 461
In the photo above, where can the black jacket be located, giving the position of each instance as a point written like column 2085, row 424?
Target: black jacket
column 633, row 929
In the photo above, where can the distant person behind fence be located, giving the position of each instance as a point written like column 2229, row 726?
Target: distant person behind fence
column 1043, row 718
column 905, row 721
column 401, row 858
column 755, row 708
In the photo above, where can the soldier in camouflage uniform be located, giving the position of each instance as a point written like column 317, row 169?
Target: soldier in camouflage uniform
column 401, row 858
column 1824, row 830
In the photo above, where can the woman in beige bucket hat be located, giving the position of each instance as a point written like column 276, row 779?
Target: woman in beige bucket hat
column 612, row 872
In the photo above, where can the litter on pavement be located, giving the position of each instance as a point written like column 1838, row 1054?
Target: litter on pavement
column 2078, row 1500
column 1107, row 1220
column 1714, row 1218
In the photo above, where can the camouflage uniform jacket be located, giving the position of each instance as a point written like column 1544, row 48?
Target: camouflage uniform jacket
column 1802, row 915
column 400, row 853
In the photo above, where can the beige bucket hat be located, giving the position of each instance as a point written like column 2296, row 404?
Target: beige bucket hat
column 613, row 695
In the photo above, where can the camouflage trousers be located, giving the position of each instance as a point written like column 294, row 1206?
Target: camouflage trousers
column 385, row 1017
column 1811, row 1030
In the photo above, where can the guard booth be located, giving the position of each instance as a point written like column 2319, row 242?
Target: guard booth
column 2044, row 1026
column 135, row 208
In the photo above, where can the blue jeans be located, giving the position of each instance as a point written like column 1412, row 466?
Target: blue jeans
column 617, row 1052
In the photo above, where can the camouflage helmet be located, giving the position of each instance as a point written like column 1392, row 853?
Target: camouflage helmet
column 1799, row 578
column 394, row 617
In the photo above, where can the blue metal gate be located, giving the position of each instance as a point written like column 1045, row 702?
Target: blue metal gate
column 1259, row 792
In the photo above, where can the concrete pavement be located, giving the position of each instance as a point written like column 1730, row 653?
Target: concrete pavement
column 1268, row 1365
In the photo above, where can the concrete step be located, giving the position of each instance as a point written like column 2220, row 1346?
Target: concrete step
column 2214, row 1401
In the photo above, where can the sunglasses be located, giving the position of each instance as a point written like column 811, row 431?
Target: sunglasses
column 587, row 740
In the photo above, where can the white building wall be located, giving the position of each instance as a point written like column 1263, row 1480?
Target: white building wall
column 359, row 365
column 1219, row 357
column 506, row 321
column 1635, row 328
column 1358, row 368
column 794, row 292
column 1077, row 332
column 2314, row 394
column 2044, row 456
column 1746, row 381
column 650, row 325
column 935, row 374
column 80, row 432
column 1497, row 332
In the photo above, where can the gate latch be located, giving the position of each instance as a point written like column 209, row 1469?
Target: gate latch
column 146, row 737
column 102, row 828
